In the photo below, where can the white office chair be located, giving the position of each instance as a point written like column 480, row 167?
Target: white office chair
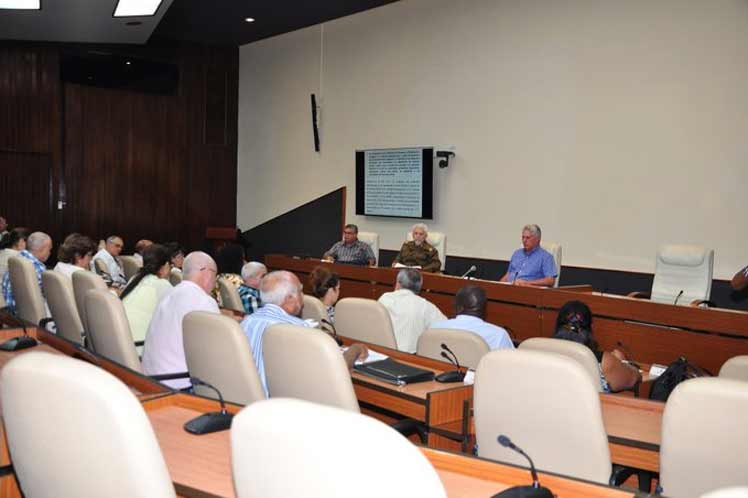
column 75, row 430
column 130, row 266
column 286, row 447
column 365, row 320
column 371, row 238
column 704, row 437
column 314, row 309
column 548, row 405
column 61, row 301
column 30, row 303
column 439, row 241
column 578, row 352
column 683, row 274
column 735, row 368
column 467, row 346
column 555, row 250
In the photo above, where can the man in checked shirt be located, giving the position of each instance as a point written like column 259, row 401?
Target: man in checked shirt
column 351, row 250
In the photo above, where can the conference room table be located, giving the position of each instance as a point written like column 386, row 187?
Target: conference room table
column 200, row 466
column 649, row 331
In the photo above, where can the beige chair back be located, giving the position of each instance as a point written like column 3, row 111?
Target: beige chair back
column 273, row 439
column 704, row 437
column 372, row 239
column 230, row 295
column 109, row 330
column 578, row 352
column 314, row 309
column 75, row 430
column 547, row 405
column 682, row 268
column 130, row 266
column 175, row 277
column 61, row 301
column 735, row 368
column 84, row 281
column 217, row 352
column 438, row 241
column 30, row 305
column 729, row 492
column 364, row 320
column 101, row 268
column 556, row 252
column 468, row 347
column 322, row 377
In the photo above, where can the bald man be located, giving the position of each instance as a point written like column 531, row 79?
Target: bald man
column 139, row 248
column 163, row 352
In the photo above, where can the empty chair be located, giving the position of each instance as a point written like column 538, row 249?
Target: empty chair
column 130, row 266
column 438, row 241
column 217, row 351
column 84, row 281
column 230, row 295
column 364, row 320
column 313, row 309
column 284, row 447
column 61, row 301
column 30, row 304
column 175, row 277
column 468, row 347
column 108, row 329
column 683, row 275
column 704, row 437
column 75, row 430
column 371, row 238
column 555, row 251
column 574, row 350
column 735, row 368
column 548, row 405
column 322, row 376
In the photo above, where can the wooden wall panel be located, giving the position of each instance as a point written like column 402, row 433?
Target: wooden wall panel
column 122, row 162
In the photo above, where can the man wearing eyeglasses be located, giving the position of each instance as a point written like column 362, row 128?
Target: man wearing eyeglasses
column 110, row 256
column 350, row 250
column 163, row 352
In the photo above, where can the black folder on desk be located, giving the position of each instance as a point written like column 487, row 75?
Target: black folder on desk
column 395, row 373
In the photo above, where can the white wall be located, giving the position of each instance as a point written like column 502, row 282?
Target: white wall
column 615, row 125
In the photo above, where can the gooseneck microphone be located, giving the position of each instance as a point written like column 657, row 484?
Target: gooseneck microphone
column 470, row 270
column 533, row 491
column 678, row 297
column 209, row 422
column 454, row 375
column 24, row 341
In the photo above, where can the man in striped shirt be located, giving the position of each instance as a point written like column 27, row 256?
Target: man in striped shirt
column 351, row 250
column 282, row 301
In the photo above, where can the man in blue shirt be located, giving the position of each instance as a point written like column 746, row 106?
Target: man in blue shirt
column 470, row 308
column 532, row 265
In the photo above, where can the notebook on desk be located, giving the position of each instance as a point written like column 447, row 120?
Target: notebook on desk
column 395, row 373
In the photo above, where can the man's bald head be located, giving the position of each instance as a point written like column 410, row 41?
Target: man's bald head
column 142, row 244
column 200, row 269
column 283, row 289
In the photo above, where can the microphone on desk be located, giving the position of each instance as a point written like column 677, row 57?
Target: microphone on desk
column 678, row 297
column 533, row 491
column 209, row 422
column 24, row 341
column 332, row 329
column 454, row 375
column 470, row 270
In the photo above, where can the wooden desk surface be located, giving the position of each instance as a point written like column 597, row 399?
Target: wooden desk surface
column 652, row 332
column 200, row 466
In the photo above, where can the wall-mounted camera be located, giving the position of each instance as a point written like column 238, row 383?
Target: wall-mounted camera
column 444, row 156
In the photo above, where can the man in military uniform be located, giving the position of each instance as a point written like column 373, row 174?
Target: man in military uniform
column 418, row 252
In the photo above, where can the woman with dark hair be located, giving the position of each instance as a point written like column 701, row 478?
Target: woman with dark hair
column 145, row 290
column 230, row 260
column 325, row 286
column 176, row 255
column 574, row 323
column 75, row 254
column 11, row 245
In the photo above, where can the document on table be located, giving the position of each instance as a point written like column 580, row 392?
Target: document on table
column 373, row 356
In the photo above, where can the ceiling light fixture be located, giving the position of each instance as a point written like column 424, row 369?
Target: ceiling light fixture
column 21, row 4
column 249, row 19
column 130, row 8
column 128, row 63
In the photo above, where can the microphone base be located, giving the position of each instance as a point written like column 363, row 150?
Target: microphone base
column 525, row 492
column 453, row 376
column 18, row 343
column 209, row 422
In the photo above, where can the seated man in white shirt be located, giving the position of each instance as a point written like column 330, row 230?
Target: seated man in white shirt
column 470, row 308
column 163, row 352
column 110, row 256
column 411, row 314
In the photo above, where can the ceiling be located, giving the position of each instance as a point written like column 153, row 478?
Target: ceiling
column 212, row 22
